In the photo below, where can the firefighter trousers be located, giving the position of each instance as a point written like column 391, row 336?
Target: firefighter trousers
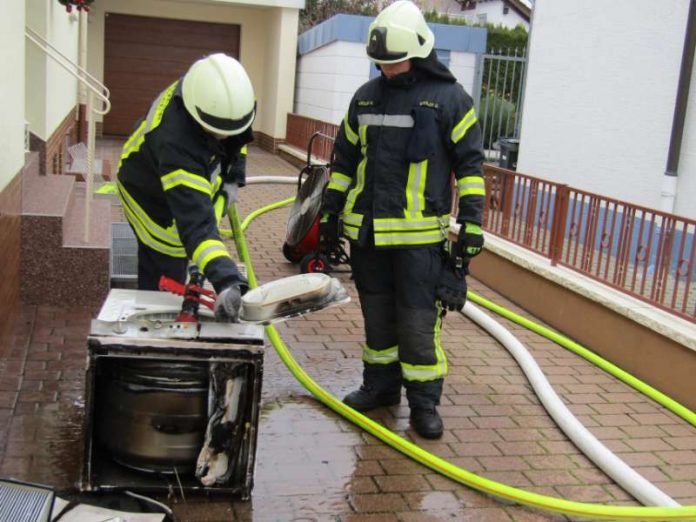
column 403, row 319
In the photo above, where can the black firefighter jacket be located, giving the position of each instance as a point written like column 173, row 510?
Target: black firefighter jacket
column 394, row 156
column 169, row 181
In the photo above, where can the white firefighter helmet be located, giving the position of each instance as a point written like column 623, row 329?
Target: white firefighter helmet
column 218, row 94
column 399, row 33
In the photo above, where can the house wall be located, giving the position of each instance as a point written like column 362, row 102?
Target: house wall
column 492, row 9
column 12, row 45
column 333, row 63
column 328, row 77
column 54, row 91
column 279, row 87
column 600, row 99
column 267, row 46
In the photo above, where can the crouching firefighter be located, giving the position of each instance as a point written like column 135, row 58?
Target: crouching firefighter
column 181, row 169
column 403, row 136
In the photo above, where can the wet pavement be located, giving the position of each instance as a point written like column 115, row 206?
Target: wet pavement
column 312, row 465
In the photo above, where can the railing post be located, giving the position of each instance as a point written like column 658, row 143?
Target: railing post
column 558, row 223
column 89, row 176
column 506, row 203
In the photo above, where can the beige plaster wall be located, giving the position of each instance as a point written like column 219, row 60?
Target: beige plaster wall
column 52, row 91
column 12, row 99
column 268, row 42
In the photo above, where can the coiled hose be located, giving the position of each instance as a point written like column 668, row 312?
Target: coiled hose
column 467, row 478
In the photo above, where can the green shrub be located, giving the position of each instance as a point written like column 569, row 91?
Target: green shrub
column 496, row 118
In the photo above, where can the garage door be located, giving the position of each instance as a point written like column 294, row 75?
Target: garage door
column 143, row 55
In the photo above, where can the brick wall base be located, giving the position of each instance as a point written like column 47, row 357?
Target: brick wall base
column 10, row 239
column 53, row 153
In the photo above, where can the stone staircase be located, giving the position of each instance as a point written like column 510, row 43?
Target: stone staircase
column 57, row 265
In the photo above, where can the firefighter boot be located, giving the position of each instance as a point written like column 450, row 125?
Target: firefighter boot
column 381, row 387
column 423, row 397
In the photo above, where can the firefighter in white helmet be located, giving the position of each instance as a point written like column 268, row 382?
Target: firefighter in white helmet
column 181, row 169
column 403, row 136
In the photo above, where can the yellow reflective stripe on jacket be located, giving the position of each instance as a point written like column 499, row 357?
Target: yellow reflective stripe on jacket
column 181, row 177
column 409, row 238
column 352, row 219
column 429, row 372
column 351, row 225
column 386, row 356
column 471, row 186
column 411, row 224
column 146, row 239
column 207, row 251
column 219, row 207
column 339, row 182
column 415, row 189
column 167, row 235
column 350, row 133
column 360, row 182
column 244, row 150
column 351, row 232
column 152, row 121
column 128, row 147
column 464, row 125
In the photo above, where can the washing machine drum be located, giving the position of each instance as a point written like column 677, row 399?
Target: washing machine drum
column 154, row 414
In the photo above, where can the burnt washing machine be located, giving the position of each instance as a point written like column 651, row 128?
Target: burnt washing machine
column 170, row 405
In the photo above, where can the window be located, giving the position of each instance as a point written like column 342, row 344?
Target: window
column 467, row 5
column 506, row 9
column 481, row 18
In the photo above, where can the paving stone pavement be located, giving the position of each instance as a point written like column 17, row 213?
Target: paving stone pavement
column 312, row 465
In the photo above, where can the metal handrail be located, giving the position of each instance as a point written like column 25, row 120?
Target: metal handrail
column 94, row 88
column 88, row 80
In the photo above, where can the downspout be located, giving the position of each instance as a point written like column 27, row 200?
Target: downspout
column 669, row 180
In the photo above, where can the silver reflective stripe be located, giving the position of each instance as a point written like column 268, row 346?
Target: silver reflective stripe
column 386, row 120
column 382, row 238
column 394, row 224
column 202, row 256
column 352, row 219
column 416, row 188
column 386, row 356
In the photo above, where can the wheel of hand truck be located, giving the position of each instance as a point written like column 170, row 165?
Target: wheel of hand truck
column 314, row 263
column 291, row 253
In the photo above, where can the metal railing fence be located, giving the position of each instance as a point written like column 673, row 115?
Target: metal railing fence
column 501, row 98
column 639, row 251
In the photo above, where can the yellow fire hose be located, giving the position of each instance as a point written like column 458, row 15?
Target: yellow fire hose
column 467, row 478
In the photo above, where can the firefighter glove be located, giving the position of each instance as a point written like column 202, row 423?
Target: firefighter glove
column 469, row 242
column 228, row 303
column 451, row 289
column 328, row 231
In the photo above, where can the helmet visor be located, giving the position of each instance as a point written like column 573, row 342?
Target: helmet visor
column 227, row 126
column 377, row 48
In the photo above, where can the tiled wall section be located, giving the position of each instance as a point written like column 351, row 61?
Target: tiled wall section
column 53, row 154
column 267, row 142
column 10, row 239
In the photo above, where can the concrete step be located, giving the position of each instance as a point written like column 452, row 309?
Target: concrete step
column 58, row 265
column 99, row 234
column 46, row 195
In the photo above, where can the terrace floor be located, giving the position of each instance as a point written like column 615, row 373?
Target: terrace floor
column 312, row 465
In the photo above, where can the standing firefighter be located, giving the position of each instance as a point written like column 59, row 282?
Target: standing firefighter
column 403, row 136
column 180, row 170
